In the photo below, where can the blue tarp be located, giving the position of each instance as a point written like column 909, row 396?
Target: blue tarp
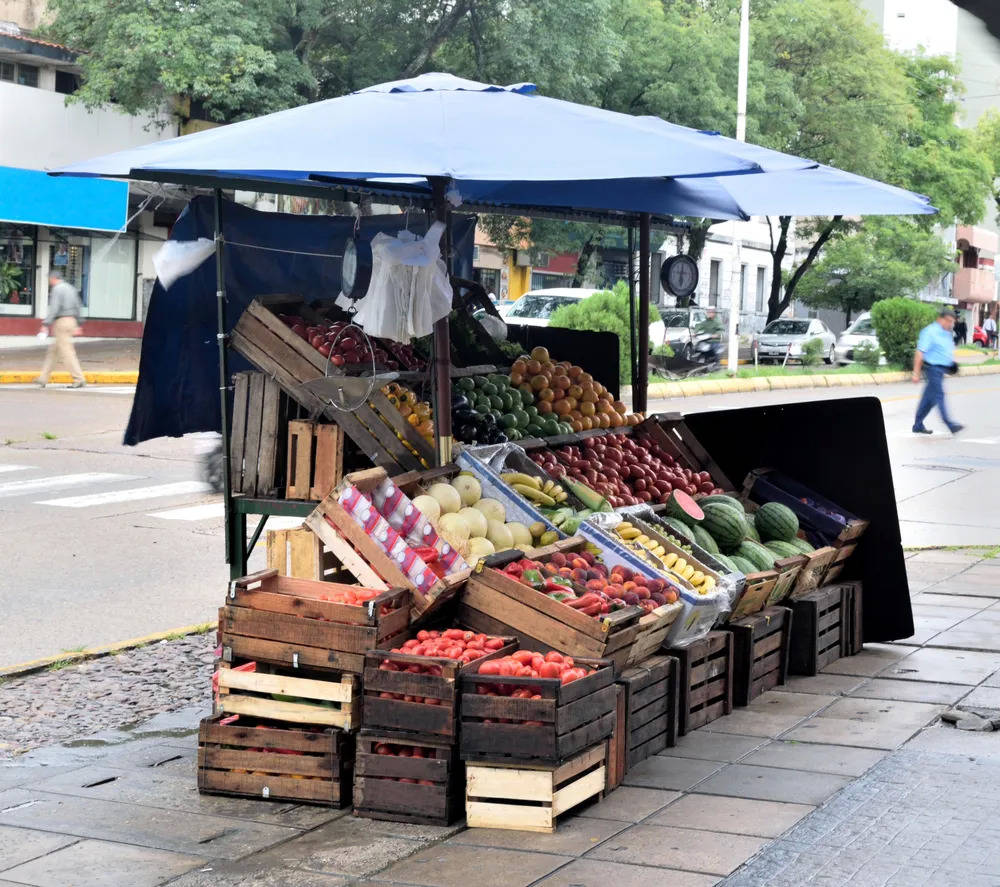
column 178, row 388
column 30, row 197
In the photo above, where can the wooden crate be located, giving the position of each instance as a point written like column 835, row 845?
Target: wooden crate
column 299, row 553
column 275, row 763
column 706, row 680
column 426, row 790
column 817, row 630
column 670, row 432
column 853, row 639
column 760, row 652
column 810, row 576
column 842, row 551
column 651, row 692
column 376, row 427
column 532, row 799
column 324, row 702
column 757, row 590
column 291, row 622
column 254, row 441
column 788, row 570
column 435, row 715
column 315, row 459
column 618, row 743
column 567, row 719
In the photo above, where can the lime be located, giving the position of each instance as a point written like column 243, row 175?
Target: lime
column 465, row 384
column 522, row 418
column 496, row 402
column 531, row 410
column 508, row 400
column 489, row 389
column 481, row 381
column 551, row 427
column 483, row 404
column 527, row 397
column 508, row 420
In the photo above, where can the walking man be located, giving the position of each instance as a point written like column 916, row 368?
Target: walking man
column 935, row 355
column 63, row 322
column 990, row 328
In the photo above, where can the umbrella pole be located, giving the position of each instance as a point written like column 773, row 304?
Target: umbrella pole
column 441, row 372
column 220, row 315
column 640, row 384
column 631, row 303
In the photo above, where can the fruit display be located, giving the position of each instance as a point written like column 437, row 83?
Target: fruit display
column 475, row 525
column 485, row 409
column 347, row 346
column 568, row 394
column 529, row 664
column 669, row 562
column 626, row 470
column 416, row 411
column 579, row 580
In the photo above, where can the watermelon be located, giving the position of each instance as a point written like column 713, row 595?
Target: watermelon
column 757, row 554
column 719, row 497
column 725, row 562
column 776, row 521
column 743, row 565
column 751, row 532
column 725, row 524
column 702, row 538
column 801, row 544
column 679, row 527
column 782, row 549
column 681, row 506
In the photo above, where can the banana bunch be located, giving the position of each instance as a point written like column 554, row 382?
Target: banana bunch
column 701, row 582
column 629, row 533
column 534, row 490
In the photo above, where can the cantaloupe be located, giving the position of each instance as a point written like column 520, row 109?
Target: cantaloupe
column 447, row 496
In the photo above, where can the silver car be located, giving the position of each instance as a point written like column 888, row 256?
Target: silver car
column 859, row 333
column 788, row 336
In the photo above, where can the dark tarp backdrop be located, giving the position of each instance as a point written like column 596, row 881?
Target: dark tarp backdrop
column 266, row 253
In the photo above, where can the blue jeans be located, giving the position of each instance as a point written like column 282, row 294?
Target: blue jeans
column 933, row 396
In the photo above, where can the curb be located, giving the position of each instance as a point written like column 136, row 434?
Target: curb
column 695, row 387
column 25, row 668
column 102, row 377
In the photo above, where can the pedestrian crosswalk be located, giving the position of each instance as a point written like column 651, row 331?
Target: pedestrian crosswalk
column 41, row 484
column 112, row 496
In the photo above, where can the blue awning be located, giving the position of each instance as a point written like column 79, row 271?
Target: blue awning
column 31, row 197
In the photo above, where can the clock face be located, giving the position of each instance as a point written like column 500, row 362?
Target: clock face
column 349, row 267
column 680, row 275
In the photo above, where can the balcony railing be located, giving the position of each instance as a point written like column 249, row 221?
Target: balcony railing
column 975, row 285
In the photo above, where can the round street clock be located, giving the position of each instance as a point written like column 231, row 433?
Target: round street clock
column 355, row 268
column 679, row 276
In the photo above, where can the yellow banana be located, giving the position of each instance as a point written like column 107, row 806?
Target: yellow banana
column 534, row 494
column 516, row 477
column 671, row 559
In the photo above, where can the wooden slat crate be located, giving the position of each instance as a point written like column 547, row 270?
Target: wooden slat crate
column 811, row 574
column 567, row 719
column 428, row 705
column 423, row 788
column 757, row 590
column 274, row 762
column 376, row 427
column 842, row 552
column 817, row 630
column 651, row 692
column 706, row 680
column 853, row 639
column 315, row 459
column 670, row 431
column 292, row 622
column 760, row 652
column 526, row 799
column 300, row 554
column 618, row 743
column 788, row 570
column 254, row 442
column 324, row 702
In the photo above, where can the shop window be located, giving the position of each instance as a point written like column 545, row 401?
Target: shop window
column 542, row 281
column 27, row 75
column 714, row 277
column 761, row 284
column 67, row 82
column 8, row 71
column 490, row 279
column 101, row 268
column 17, row 270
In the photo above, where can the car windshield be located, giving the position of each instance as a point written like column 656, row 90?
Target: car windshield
column 675, row 318
column 538, row 306
column 787, row 328
column 863, row 327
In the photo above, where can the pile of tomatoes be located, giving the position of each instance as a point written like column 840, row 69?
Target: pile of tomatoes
column 405, row 751
column 529, row 664
column 350, row 594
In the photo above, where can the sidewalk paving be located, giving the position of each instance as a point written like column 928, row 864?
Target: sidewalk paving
column 829, row 780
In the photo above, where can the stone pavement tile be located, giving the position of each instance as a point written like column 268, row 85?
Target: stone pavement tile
column 18, row 845
column 773, row 784
column 103, row 864
column 629, row 803
column 597, row 873
column 943, row 666
column 250, row 873
column 455, row 865
column 971, row 638
column 737, row 816
column 574, row 837
column 176, row 788
column 919, row 637
column 985, row 585
column 755, row 723
column 18, row 773
column 993, row 680
column 886, row 712
column 870, row 661
column 823, row 684
column 912, row 691
column 923, row 603
column 942, row 556
column 709, row 746
column 776, row 702
column 985, row 697
column 212, row 836
column 841, row 731
column 679, row 774
column 839, row 760
column 711, row 853
column 153, row 754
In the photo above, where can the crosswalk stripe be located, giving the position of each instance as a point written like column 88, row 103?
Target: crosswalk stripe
column 20, row 487
column 6, row 468
column 193, row 512
column 114, row 496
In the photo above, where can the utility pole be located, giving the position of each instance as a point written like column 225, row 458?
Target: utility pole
column 736, row 286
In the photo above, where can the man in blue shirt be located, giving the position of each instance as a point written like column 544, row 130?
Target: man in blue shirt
column 936, row 356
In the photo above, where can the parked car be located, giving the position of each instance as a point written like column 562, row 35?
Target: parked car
column 980, row 336
column 536, row 308
column 680, row 324
column 859, row 333
column 789, row 335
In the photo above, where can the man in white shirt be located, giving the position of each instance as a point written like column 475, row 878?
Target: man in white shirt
column 990, row 328
column 63, row 321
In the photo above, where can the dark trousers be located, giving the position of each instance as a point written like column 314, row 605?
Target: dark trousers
column 933, row 396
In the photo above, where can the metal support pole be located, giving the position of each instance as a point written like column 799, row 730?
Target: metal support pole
column 220, row 336
column 641, row 383
column 441, row 373
column 633, row 354
column 736, row 280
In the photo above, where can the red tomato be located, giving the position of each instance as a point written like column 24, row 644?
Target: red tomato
column 383, row 749
column 526, row 671
column 493, row 643
column 507, row 667
column 491, row 667
column 523, row 656
column 553, row 656
column 454, row 633
column 550, row 670
column 537, row 661
column 423, row 636
column 573, row 674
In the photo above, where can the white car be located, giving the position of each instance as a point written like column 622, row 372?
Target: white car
column 680, row 323
column 859, row 333
column 536, row 308
column 788, row 335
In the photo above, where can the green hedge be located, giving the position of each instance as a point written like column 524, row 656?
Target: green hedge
column 898, row 323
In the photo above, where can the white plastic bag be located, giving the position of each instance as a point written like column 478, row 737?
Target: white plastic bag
column 179, row 257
